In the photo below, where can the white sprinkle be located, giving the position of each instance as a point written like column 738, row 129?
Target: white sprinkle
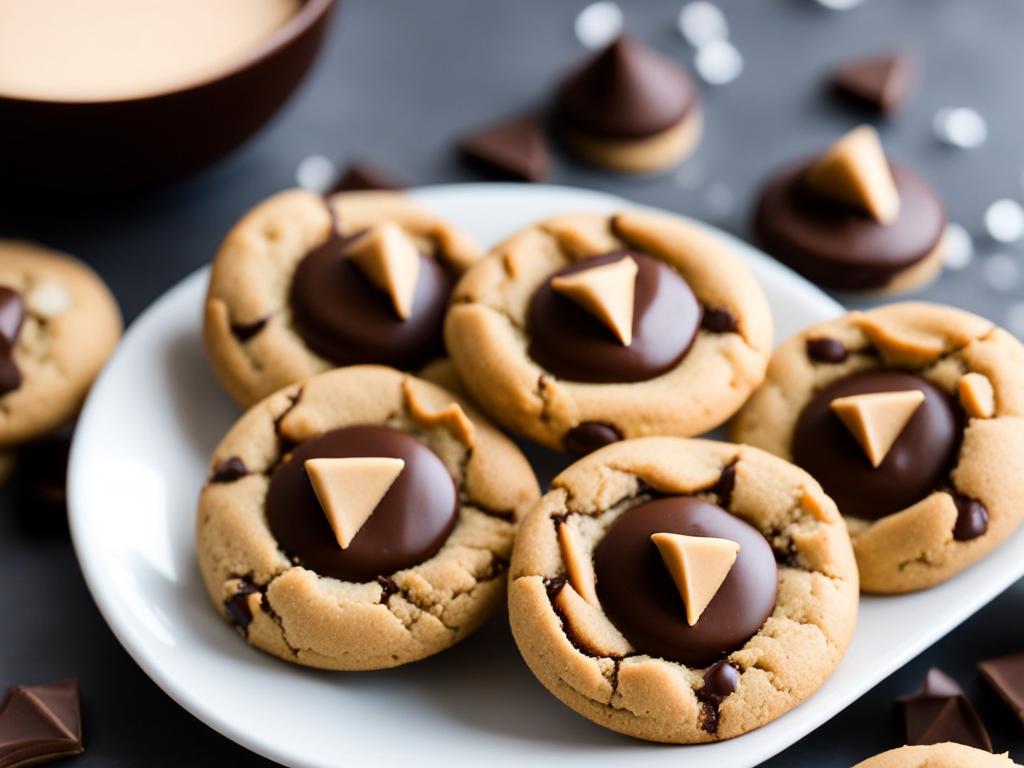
column 839, row 5
column 959, row 247
column 720, row 199
column 960, row 127
column 1002, row 272
column 1004, row 221
column 701, row 22
column 718, row 62
column 316, row 173
column 49, row 299
column 598, row 24
column 1015, row 319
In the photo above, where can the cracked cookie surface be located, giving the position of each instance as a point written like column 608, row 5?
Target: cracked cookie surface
column 979, row 500
column 946, row 755
column 58, row 325
column 254, row 340
column 584, row 659
column 392, row 619
column 491, row 343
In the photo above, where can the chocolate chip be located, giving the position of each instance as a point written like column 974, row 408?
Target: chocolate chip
column 363, row 176
column 724, row 486
column 245, row 331
column 10, row 374
column 554, row 586
column 825, row 350
column 237, row 606
column 40, row 723
column 229, row 470
column 516, row 148
column 720, row 680
column 940, row 712
column 718, row 320
column 971, row 518
column 388, row 588
column 588, row 437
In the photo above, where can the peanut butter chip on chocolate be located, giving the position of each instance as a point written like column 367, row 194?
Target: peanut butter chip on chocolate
column 977, row 396
column 854, row 171
column 608, row 292
column 698, row 565
column 350, row 489
column 389, row 259
column 876, row 419
column 580, row 572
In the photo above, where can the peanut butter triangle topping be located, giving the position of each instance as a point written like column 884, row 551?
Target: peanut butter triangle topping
column 698, row 565
column 607, row 292
column 876, row 419
column 389, row 259
column 350, row 489
column 854, row 171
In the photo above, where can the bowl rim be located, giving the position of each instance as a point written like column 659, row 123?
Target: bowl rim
column 309, row 13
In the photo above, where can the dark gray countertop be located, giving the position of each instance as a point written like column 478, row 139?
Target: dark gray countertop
column 397, row 81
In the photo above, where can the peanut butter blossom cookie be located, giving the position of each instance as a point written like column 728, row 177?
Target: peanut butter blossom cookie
column 630, row 109
column 945, row 755
column 302, row 285
column 58, row 325
column 681, row 590
column 361, row 520
column 851, row 221
column 910, row 416
column 584, row 329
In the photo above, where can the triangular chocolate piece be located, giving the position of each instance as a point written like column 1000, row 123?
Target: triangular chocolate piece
column 876, row 419
column 698, row 565
column 608, row 292
column 40, row 723
column 361, row 177
column 940, row 712
column 627, row 90
column 1006, row 676
column 349, row 490
column 390, row 260
column 516, row 148
column 855, row 171
column 881, row 83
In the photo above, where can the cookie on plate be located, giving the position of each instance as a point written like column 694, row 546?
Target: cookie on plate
column 583, row 329
column 58, row 325
column 302, row 285
column 911, row 416
column 361, row 520
column 945, row 755
column 630, row 109
column 682, row 590
column 850, row 221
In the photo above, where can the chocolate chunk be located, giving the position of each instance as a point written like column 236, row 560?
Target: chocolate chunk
column 723, row 487
column 880, row 83
column 343, row 316
column 245, row 331
column 639, row 596
column 12, row 317
column 940, row 712
column 229, row 470
column 720, row 680
column 971, row 518
column 839, row 247
column 409, row 525
column 626, row 91
column 718, row 320
column 40, row 723
column 237, row 606
column 916, row 464
column 387, row 588
column 1006, row 676
column 360, row 177
column 588, row 437
column 516, row 149
column 826, row 351
column 571, row 343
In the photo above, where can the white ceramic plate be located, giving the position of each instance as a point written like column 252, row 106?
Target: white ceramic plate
column 137, row 464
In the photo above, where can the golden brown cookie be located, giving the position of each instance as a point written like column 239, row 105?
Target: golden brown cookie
column 552, row 362
column 298, row 288
column 946, row 755
column 603, row 621
column 425, row 553
column 947, row 489
column 58, row 325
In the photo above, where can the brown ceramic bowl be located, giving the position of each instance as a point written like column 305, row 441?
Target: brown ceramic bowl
column 145, row 140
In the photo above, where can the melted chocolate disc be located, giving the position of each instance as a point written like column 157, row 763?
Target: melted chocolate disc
column 571, row 343
column 409, row 525
column 341, row 315
column 838, row 246
column 639, row 596
column 916, row 465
